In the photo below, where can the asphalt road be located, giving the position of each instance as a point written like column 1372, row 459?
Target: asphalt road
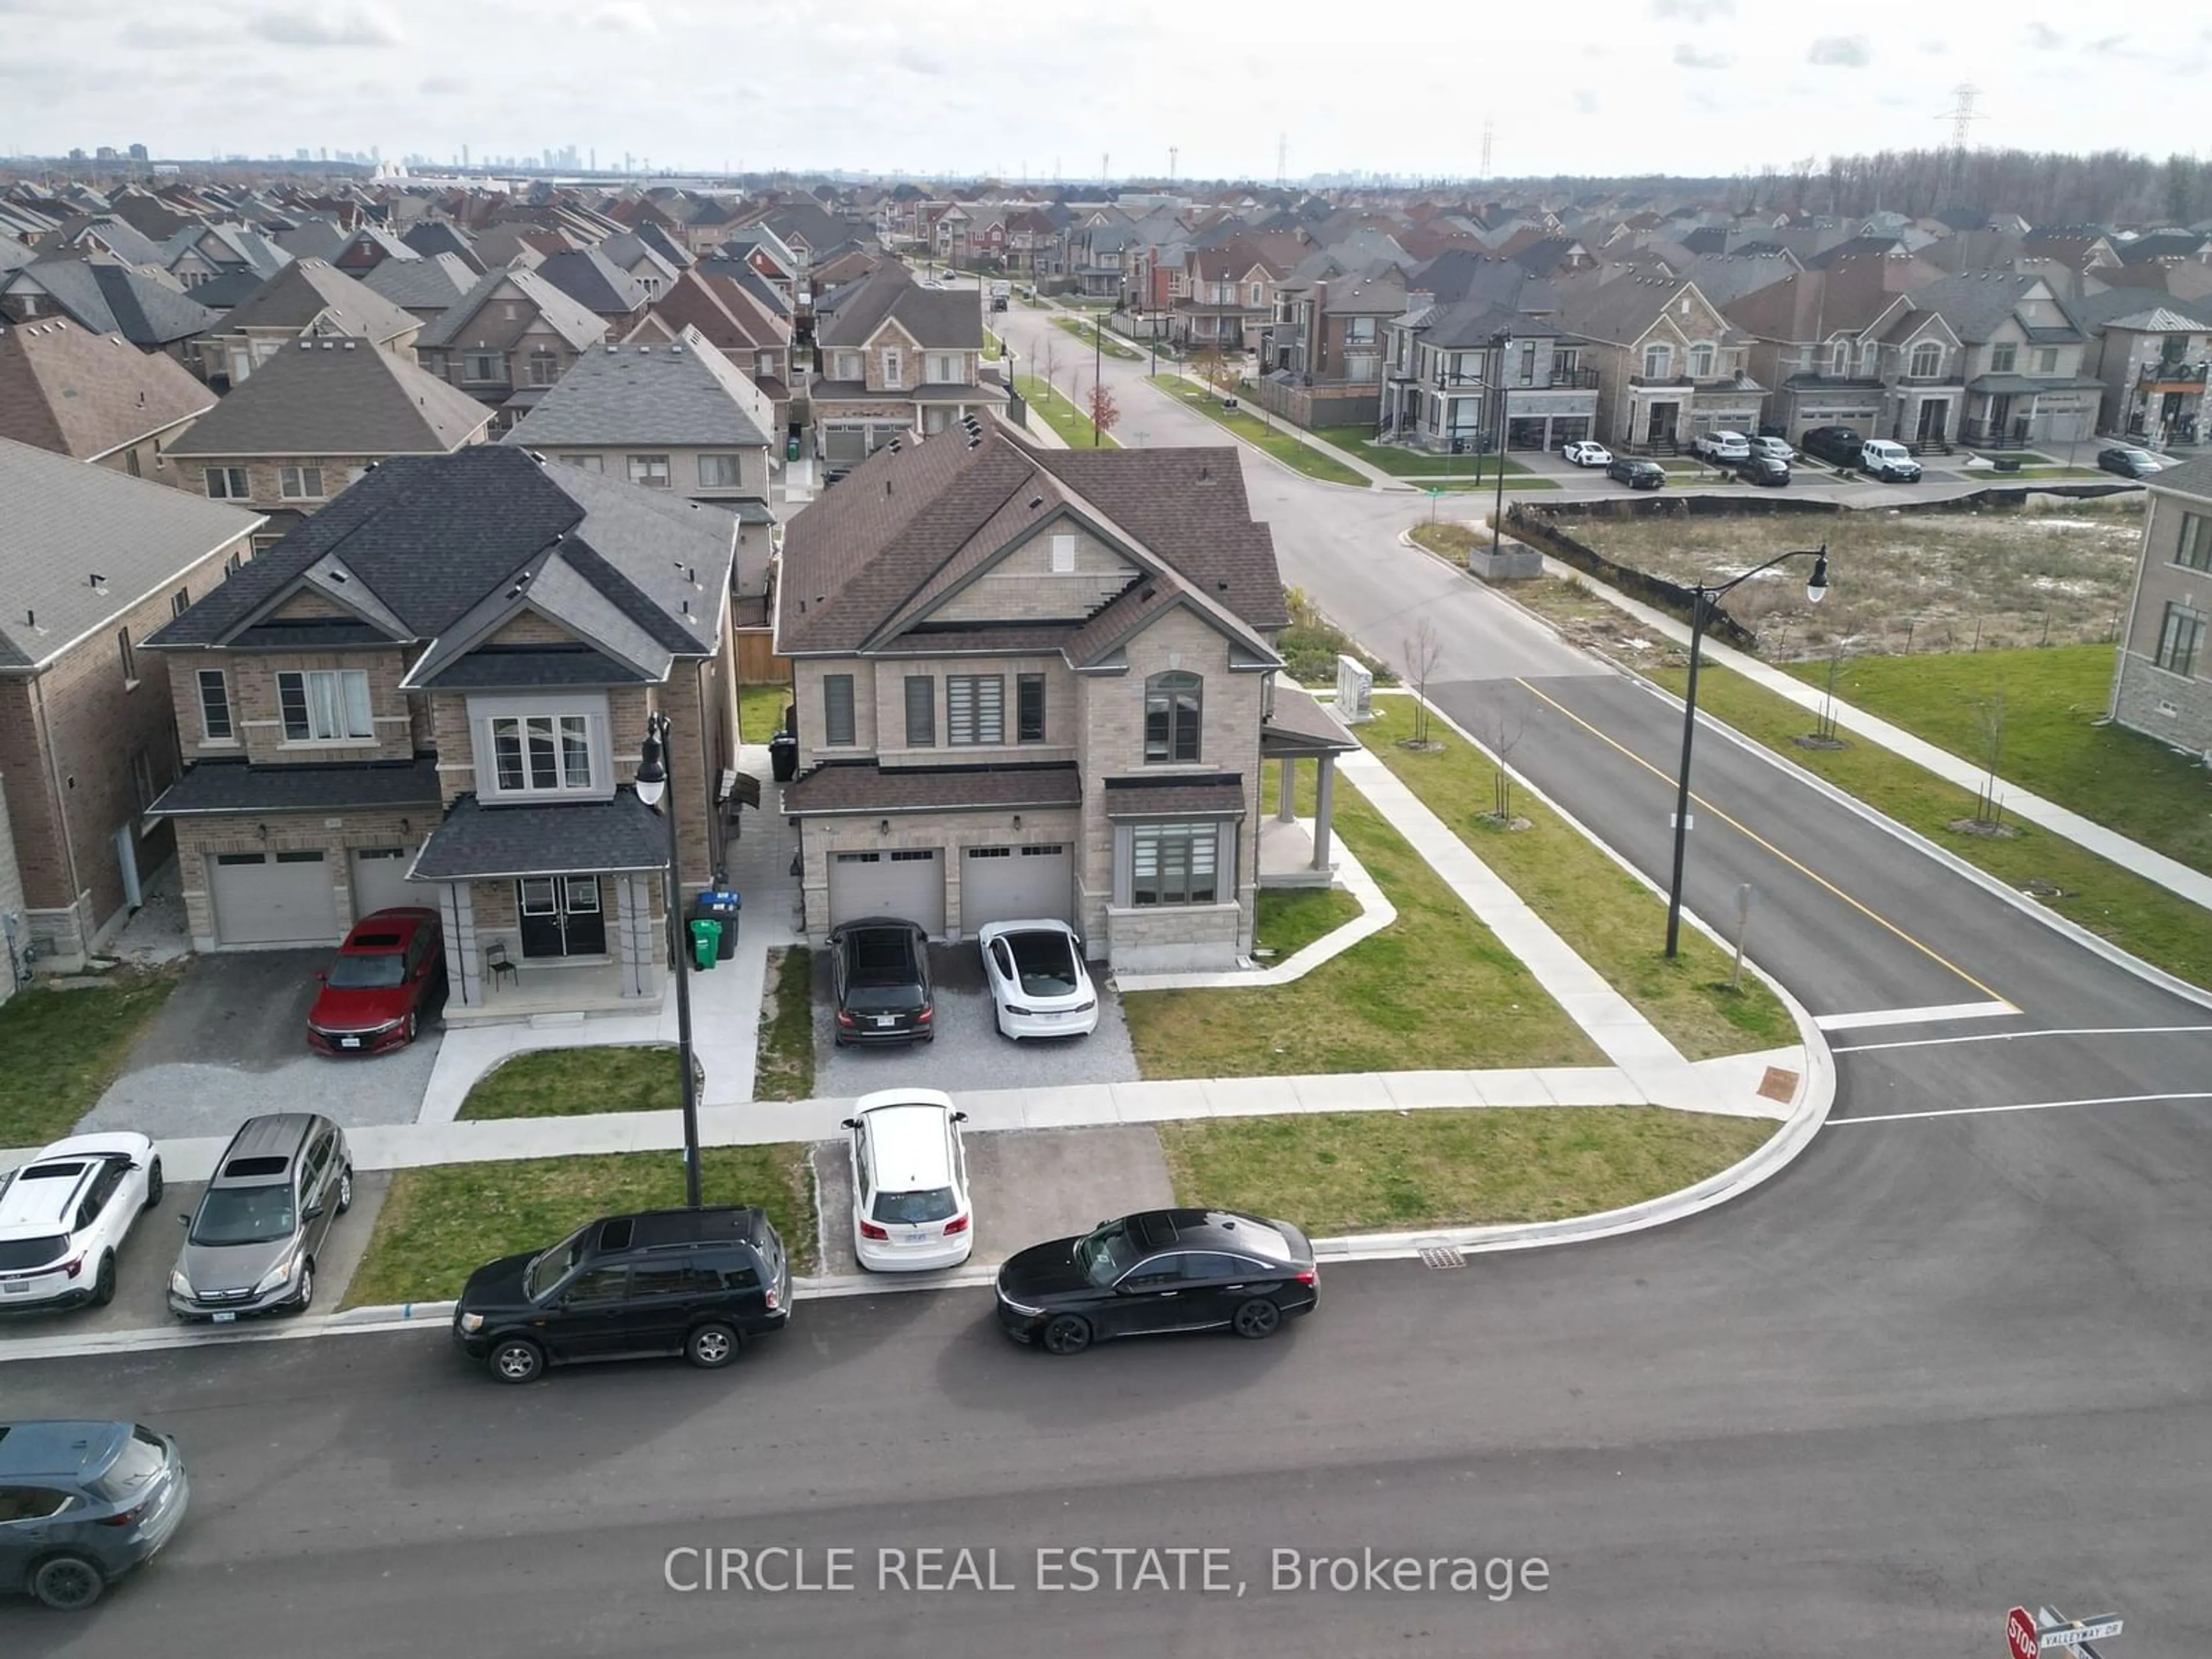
column 1953, row 1359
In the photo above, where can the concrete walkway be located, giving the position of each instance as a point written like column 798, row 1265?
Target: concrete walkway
column 2172, row 874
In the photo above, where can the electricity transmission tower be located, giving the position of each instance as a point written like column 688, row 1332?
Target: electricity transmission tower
column 1486, row 131
column 1962, row 114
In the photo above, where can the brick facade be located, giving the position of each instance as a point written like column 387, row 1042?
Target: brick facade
column 2175, row 708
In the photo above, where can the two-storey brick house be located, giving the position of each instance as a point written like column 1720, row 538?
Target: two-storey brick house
column 93, row 563
column 2024, row 359
column 895, row 358
column 311, row 422
column 1040, row 683
column 1455, row 371
column 435, row 692
column 507, row 339
column 307, row 300
column 1669, row 367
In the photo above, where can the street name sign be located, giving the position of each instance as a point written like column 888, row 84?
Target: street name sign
column 2089, row 1629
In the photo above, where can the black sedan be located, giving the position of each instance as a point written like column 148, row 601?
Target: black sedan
column 2129, row 461
column 1636, row 472
column 1157, row 1272
column 1763, row 469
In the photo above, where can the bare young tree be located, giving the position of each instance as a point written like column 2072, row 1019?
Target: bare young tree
column 1421, row 650
column 1505, row 737
column 1989, row 727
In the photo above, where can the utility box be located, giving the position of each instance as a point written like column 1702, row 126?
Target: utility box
column 1355, row 689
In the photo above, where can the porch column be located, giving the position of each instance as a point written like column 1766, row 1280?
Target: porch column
column 1287, row 784
column 1324, row 804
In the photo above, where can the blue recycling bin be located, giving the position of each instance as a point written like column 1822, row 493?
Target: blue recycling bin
column 720, row 905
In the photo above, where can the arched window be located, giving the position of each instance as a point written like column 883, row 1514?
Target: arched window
column 1171, row 716
column 1870, row 354
column 1701, row 361
column 1839, row 358
column 1927, row 360
column 1658, row 362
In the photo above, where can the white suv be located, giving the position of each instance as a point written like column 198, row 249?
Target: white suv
column 1879, row 458
column 1722, row 447
column 910, row 1209
column 64, row 1217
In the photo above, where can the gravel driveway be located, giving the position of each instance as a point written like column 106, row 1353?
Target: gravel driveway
column 968, row 1052
column 231, row 1043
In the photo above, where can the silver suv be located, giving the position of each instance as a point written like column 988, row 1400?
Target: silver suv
column 280, row 1184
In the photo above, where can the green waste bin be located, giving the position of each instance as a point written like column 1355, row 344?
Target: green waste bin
column 790, row 450
column 706, row 942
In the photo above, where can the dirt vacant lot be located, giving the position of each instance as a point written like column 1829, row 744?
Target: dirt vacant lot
column 2055, row 570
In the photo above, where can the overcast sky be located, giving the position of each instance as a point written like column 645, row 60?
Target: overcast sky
column 1694, row 87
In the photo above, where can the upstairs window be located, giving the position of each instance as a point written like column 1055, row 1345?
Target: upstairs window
column 1172, row 709
column 487, row 367
column 1927, row 360
column 542, row 753
column 975, row 708
column 920, row 711
column 1658, row 362
column 299, row 484
column 228, row 483
column 894, row 371
column 215, row 706
column 2181, row 640
column 837, row 728
column 545, row 368
column 719, row 472
column 2004, row 358
column 650, row 470
column 325, row 706
column 2194, row 550
column 1701, row 362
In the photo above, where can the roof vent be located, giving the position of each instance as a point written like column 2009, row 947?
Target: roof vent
column 349, row 345
column 887, row 486
column 975, row 443
column 614, row 350
column 307, row 345
column 1036, row 501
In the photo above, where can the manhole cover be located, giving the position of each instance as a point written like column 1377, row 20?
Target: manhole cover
column 1441, row 1253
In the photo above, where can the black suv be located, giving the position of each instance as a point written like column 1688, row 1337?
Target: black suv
column 880, row 977
column 1839, row 446
column 693, row 1282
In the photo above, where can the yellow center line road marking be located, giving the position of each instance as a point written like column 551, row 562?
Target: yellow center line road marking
column 1753, row 835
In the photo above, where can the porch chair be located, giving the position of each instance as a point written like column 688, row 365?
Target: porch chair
column 496, row 963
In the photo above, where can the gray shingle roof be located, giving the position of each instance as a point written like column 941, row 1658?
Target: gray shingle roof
column 112, row 299
column 61, row 522
column 937, row 319
column 434, row 282
column 685, row 394
column 2191, row 478
column 1976, row 305
column 308, row 292
column 344, row 397
column 579, row 327
column 480, row 842
column 1173, row 797
column 225, row 786
column 508, row 669
column 595, row 281
column 435, row 539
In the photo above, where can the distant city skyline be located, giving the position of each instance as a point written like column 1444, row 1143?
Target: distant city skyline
column 1085, row 90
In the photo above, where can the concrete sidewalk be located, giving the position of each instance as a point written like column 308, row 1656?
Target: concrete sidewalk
column 2172, row 874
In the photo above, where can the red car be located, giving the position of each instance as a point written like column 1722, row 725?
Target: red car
column 390, row 971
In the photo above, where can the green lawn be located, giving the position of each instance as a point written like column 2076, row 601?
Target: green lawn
column 60, row 1049
column 760, row 711
column 1085, row 332
column 2133, row 784
column 1051, row 405
column 1280, row 440
column 994, row 347
column 1291, row 918
column 1434, row 989
column 2136, row 915
column 1357, row 1172
column 783, row 1068
column 1413, row 463
column 574, row 1082
column 438, row 1225
column 1611, row 919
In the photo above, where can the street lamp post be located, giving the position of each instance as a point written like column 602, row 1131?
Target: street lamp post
column 1500, row 343
column 1702, row 600
column 654, row 782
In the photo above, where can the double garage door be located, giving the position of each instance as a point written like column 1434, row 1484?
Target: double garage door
column 291, row 898
column 997, row 883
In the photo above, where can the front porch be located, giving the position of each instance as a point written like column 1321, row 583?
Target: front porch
column 547, row 992
column 1296, row 852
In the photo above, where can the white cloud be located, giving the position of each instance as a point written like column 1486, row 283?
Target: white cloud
column 625, row 17
column 1841, row 51
column 326, row 25
column 1695, row 11
column 1690, row 57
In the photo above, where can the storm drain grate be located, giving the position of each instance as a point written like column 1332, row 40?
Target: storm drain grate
column 1442, row 1253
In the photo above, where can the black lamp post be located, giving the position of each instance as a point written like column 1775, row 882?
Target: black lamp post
column 1701, row 601
column 653, row 782
column 1500, row 343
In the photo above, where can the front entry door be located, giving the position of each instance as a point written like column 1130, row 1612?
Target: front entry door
column 1932, row 411
column 1662, row 429
column 561, row 916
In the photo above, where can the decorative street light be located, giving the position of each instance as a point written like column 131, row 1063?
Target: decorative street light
column 653, row 782
column 1702, row 600
column 1500, row 343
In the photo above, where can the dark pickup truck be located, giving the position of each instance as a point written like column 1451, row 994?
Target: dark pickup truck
column 881, row 974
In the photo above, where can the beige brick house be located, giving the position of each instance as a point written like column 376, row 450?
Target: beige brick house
column 1040, row 682
column 507, row 339
column 308, row 299
column 93, row 563
column 2162, row 678
column 896, row 358
column 435, row 692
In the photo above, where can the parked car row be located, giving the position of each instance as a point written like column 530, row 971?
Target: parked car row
column 251, row 1244
column 882, row 993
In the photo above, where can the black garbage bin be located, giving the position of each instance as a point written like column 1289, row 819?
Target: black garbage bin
column 721, row 905
column 783, row 756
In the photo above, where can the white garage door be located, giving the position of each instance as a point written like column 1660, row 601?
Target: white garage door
column 380, row 880
column 907, row 883
column 1015, row 884
column 283, row 898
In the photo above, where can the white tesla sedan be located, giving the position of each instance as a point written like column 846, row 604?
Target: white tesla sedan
column 1038, row 983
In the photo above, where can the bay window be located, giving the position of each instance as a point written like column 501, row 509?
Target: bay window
column 1173, row 863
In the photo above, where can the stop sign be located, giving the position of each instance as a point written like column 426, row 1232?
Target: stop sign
column 2019, row 1634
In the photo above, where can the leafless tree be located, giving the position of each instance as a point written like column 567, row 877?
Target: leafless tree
column 1421, row 650
column 1989, row 727
column 1505, row 737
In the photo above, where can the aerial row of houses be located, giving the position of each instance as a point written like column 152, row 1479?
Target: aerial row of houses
column 350, row 539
